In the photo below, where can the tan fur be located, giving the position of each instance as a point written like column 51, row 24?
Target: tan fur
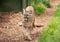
column 28, row 21
column 30, row 12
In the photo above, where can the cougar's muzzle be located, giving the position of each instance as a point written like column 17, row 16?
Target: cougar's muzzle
column 26, row 17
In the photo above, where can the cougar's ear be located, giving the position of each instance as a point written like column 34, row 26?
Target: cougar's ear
column 24, row 11
column 30, row 11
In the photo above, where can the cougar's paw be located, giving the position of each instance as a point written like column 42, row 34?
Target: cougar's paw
column 28, row 38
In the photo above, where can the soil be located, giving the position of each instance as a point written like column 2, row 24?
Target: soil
column 11, row 29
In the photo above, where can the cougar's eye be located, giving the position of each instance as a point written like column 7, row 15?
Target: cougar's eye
column 25, row 14
column 30, row 12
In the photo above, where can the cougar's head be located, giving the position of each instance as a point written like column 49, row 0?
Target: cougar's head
column 27, row 14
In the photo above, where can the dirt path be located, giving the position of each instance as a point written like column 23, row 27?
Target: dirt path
column 43, row 20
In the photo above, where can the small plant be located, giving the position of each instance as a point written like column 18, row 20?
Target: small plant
column 39, row 8
column 45, row 2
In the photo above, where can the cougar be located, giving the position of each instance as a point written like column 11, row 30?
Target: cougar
column 28, row 14
column 28, row 20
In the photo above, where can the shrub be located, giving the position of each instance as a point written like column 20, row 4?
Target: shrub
column 39, row 8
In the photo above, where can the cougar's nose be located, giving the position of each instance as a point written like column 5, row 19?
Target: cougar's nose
column 25, row 15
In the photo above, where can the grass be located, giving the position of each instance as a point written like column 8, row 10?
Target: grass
column 51, row 33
